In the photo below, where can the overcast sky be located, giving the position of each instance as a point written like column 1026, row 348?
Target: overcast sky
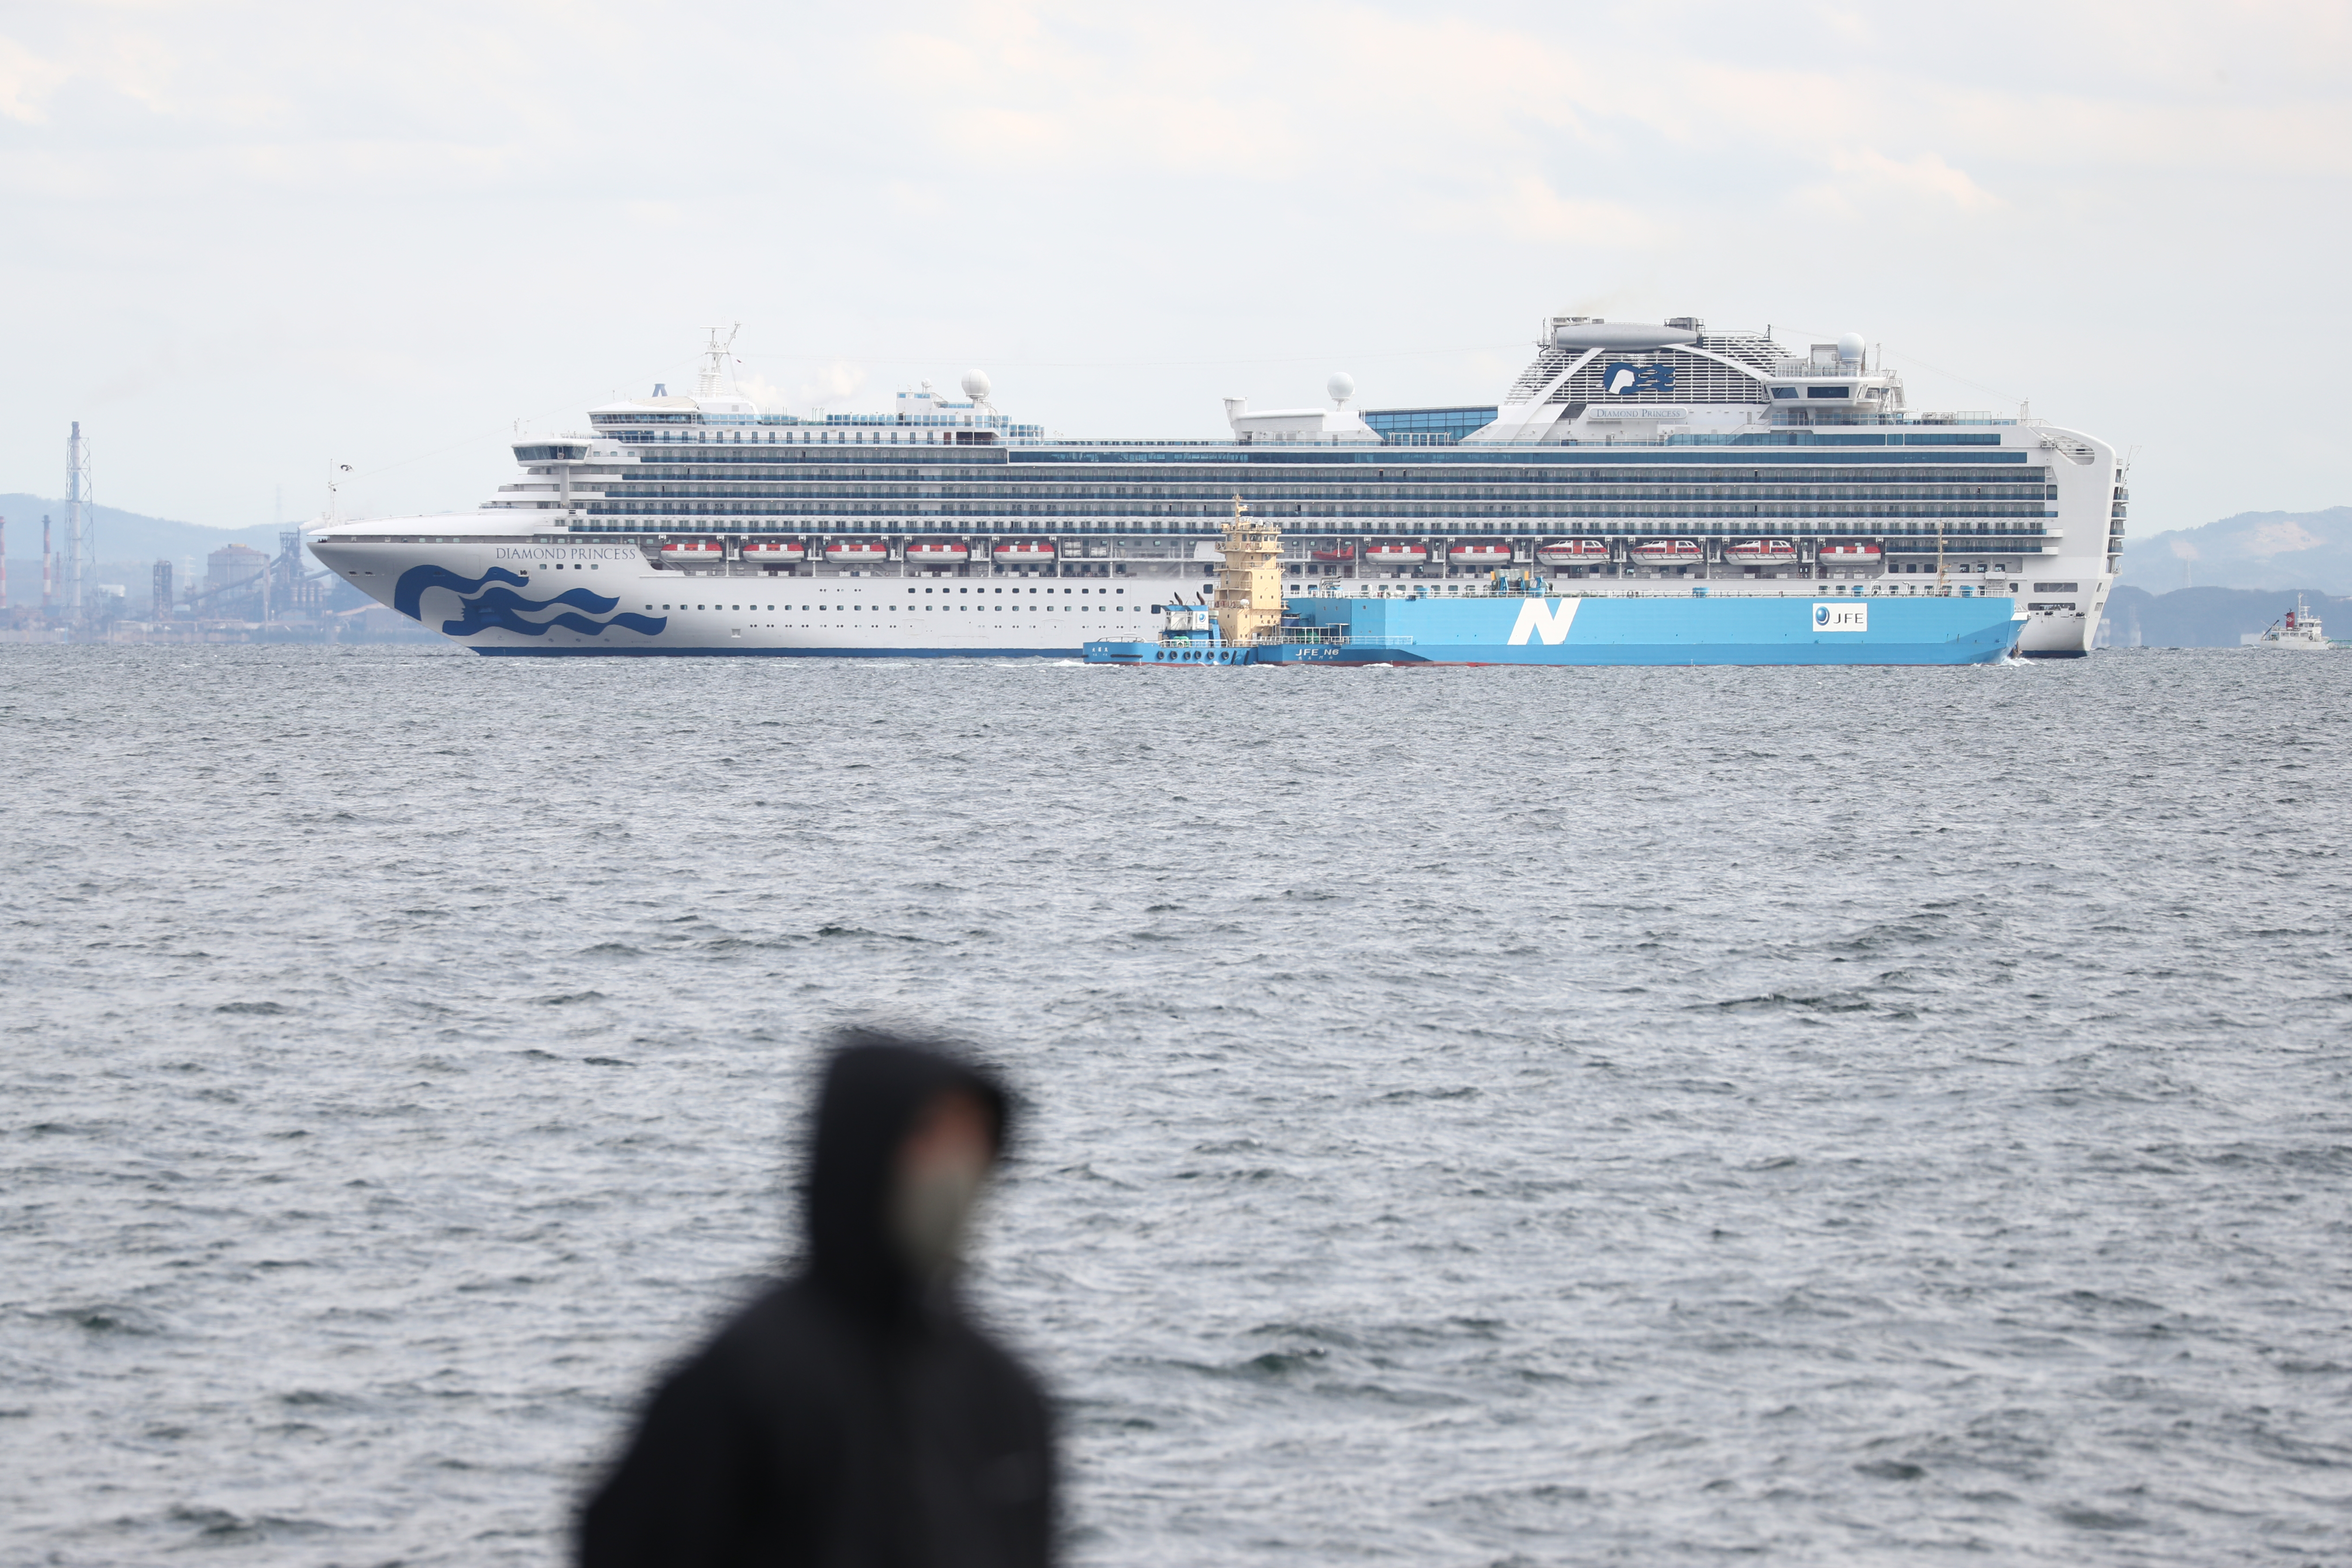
column 244, row 242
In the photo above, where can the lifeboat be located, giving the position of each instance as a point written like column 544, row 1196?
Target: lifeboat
column 1762, row 552
column 1572, row 552
column 1478, row 554
column 1025, row 553
column 774, row 551
column 1395, row 554
column 693, row 553
column 857, row 552
column 1862, row 554
column 938, row 552
column 1337, row 552
column 1674, row 552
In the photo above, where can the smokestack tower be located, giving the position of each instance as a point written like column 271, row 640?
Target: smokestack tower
column 48, row 569
column 78, row 539
column 4, row 562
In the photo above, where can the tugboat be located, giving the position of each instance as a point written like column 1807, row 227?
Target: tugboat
column 2297, row 631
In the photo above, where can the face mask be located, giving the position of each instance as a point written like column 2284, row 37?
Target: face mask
column 930, row 1211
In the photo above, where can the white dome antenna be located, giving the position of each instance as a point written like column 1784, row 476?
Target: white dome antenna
column 1850, row 346
column 1341, row 386
column 976, row 385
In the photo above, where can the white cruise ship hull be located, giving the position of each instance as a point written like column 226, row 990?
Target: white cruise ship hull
column 509, row 595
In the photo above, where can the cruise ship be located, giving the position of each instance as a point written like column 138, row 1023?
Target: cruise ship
column 1626, row 459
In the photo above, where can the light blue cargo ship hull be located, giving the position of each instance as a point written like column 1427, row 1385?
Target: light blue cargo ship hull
column 1733, row 629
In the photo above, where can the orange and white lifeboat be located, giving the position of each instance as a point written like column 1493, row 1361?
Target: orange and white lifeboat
column 1025, row 553
column 1862, row 554
column 1479, row 554
column 938, row 552
column 1675, row 552
column 1336, row 552
column 857, row 552
column 1762, row 552
column 1572, row 552
column 774, row 551
column 1395, row 554
column 693, row 553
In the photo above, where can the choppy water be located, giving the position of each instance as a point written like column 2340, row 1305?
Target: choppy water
column 1543, row 1116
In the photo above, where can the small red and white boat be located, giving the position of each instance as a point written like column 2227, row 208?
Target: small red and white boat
column 1762, row 552
column 1478, row 554
column 1572, row 552
column 1858, row 554
column 1025, row 553
column 1395, row 554
column 1340, row 553
column 774, row 551
column 938, row 552
column 693, row 553
column 858, row 552
column 1677, row 551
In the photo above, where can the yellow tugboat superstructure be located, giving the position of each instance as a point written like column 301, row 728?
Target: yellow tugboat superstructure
column 1249, row 583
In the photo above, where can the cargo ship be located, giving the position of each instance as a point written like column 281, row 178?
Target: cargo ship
column 1650, row 462
column 1523, row 618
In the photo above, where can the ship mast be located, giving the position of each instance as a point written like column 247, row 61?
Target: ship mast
column 714, row 362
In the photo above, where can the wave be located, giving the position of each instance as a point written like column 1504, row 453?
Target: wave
column 408, row 594
column 494, row 606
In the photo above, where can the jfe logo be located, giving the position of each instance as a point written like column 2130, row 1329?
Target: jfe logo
column 1620, row 379
column 1841, row 617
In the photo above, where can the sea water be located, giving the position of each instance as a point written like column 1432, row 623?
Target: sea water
column 1473, row 1116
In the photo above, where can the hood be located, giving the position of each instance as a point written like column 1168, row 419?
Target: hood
column 875, row 1087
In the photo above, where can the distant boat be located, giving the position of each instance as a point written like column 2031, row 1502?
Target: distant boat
column 2297, row 631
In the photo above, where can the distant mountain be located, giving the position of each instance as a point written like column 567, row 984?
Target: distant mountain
column 2253, row 550
column 121, row 535
column 129, row 545
column 2208, row 617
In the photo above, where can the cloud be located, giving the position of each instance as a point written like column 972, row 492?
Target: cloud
column 26, row 79
column 1528, row 206
column 1926, row 177
column 828, row 385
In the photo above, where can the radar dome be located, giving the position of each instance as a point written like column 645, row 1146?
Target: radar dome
column 1849, row 348
column 975, row 383
column 1341, row 386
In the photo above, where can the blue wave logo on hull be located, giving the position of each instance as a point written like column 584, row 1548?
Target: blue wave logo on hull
column 498, row 607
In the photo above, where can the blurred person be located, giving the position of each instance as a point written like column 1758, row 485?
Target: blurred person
column 853, row 1415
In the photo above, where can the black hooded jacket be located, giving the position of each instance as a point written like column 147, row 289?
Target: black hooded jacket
column 848, row 1418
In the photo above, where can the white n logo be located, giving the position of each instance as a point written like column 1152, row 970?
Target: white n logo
column 1545, row 622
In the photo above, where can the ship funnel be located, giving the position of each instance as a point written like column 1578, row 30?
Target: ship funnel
column 1631, row 337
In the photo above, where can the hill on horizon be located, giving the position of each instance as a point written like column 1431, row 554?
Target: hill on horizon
column 123, row 536
column 2264, row 550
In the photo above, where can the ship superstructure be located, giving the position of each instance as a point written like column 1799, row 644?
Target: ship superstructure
column 1627, row 458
